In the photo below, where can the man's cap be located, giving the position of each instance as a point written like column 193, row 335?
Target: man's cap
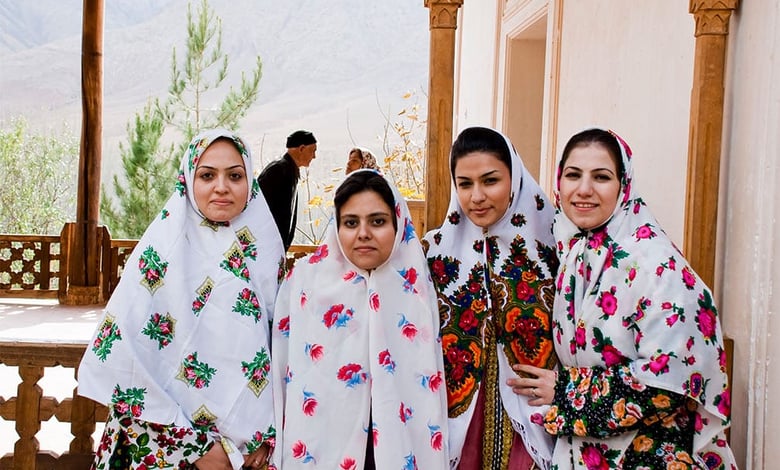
column 301, row 137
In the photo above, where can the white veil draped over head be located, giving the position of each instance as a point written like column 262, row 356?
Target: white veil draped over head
column 672, row 338
column 357, row 350
column 184, row 339
column 519, row 250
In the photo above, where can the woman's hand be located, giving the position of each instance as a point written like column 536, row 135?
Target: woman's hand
column 214, row 459
column 539, row 387
column 258, row 459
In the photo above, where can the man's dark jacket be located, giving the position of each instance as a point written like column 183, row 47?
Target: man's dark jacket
column 279, row 183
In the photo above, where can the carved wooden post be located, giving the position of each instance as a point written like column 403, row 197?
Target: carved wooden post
column 83, row 262
column 28, row 396
column 443, row 21
column 706, row 129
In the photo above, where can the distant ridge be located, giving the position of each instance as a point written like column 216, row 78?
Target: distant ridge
column 328, row 66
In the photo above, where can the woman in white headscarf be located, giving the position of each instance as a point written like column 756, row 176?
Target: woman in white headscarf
column 642, row 382
column 493, row 262
column 181, row 355
column 359, row 376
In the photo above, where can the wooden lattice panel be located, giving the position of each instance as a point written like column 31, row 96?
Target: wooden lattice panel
column 30, row 407
column 29, row 265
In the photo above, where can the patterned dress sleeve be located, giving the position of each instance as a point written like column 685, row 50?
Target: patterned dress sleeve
column 602, row 402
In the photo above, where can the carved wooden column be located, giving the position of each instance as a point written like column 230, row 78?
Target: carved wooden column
column 441, row 70
column 84, row 252
column 706, row 129
column 28, row 396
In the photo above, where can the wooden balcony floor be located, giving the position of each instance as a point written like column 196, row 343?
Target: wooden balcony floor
column 44, row 320
column 40, row 320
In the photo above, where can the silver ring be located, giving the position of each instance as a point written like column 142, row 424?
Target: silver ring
column 533, row 392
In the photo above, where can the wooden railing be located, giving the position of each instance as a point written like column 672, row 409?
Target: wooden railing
column 29, row 408
column 34, row 266
column 30, row 266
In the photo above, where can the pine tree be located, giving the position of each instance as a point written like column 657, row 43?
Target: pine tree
column 205, row 68
column 149, row 170
column 149, row 167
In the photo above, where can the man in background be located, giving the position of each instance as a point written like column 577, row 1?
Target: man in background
column 279, row 182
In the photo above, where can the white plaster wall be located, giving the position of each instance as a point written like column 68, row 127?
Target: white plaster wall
column 628, row 66
column 749, row 274
column 633, row 72
column 476, row 65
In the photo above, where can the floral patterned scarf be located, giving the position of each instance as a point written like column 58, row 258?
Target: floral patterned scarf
column 625, row 294
column 495, row 287
column 184, row 339
column 355, row 352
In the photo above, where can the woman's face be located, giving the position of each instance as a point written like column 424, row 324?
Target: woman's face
column 589, row 186
column 355, row 161
column 366, row 231
column 220, row 187
column 484, row 186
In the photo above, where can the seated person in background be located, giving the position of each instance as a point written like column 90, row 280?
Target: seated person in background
column 355, row 343
column 181, row 355
column 361, row 158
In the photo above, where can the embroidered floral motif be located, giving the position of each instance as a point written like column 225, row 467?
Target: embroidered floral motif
column 247, row 304
column 410, row 279
column 203, row 293
column 160, row 328
column 300, row 452
column 247, row 242
column 405, row 413
column 386, row 361
column 107, row 334
column 234, row 262
column 129, row 402
column 204, row 420
column 437, row 439
column 214, row 226
column 181, row 184
column 259, row 438
column 152, row 268
column 352, row 375
column 444, row 270
column 408, row 233
column 309, row 404
column 337, row 317
column 539, row 202
column 523, row 327
column 257, row 371
column 195, row 373
column 408, row 329
column 320, row 253
column 518, row 220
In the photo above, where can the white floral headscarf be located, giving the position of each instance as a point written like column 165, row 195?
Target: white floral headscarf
column 184, row 339
column 347, row 343
column 519, row 249
column 625, row 293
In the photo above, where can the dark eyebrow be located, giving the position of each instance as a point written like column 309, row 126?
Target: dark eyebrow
column 480, row 176
column 572, row 167
column 228, row 168
column 373, row 214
